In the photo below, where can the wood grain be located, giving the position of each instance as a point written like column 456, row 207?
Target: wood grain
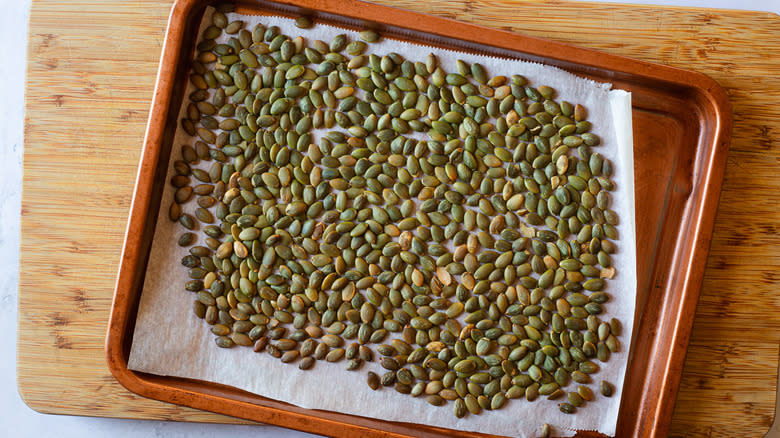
column 91, row 71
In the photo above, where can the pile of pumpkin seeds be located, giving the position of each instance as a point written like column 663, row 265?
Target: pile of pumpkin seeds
column 471, row 264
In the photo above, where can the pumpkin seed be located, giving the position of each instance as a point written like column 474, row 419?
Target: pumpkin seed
column 607, row 389
column 303, row 22
column 567, row 408
column 369, row 36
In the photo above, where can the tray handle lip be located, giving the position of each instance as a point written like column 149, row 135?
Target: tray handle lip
column 703, row 219
column 141, row 200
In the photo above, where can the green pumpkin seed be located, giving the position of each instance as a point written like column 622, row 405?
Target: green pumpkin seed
column 303, row 22
column 567, row 408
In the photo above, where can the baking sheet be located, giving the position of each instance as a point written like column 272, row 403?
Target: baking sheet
column 183, row 346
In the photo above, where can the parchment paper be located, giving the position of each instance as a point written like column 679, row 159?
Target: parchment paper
column 170, row 340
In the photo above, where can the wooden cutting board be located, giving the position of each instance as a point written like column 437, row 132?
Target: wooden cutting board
column 91, row 71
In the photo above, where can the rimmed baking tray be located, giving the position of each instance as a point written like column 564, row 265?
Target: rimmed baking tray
column 681, row 126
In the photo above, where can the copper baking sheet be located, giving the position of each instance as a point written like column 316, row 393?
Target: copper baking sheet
column 682, row 124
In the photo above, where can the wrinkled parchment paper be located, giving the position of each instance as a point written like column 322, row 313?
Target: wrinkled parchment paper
column 170, row 340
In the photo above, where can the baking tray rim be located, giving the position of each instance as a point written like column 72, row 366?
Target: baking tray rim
column 710, row 97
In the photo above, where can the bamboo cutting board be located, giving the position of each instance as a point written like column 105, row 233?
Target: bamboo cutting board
column 91, row 72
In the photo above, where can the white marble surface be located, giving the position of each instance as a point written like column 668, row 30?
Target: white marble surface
column 16, row 419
